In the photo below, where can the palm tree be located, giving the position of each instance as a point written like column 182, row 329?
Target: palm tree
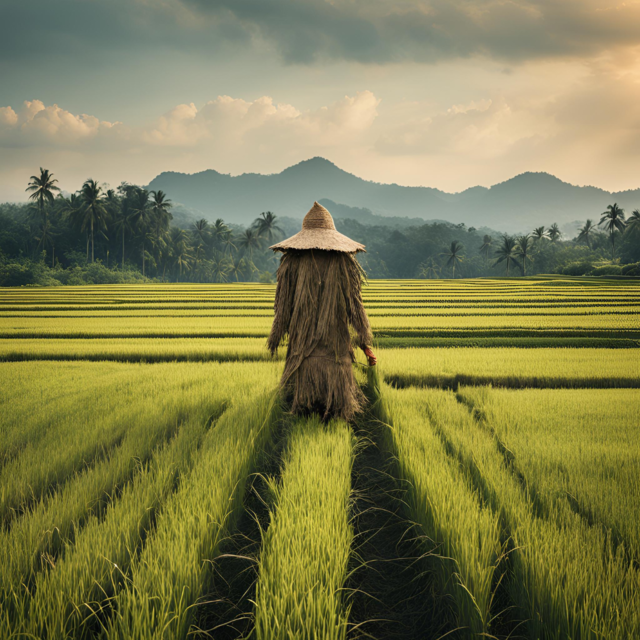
column 249, row 241
column 454, row 256
column 613, row 220
column 159, row 220
column 227, row 241
column 266, row 225
column 554, row 232
column 539, row 235
column 633, row 223
column 584, row 234
column 95, row 213
column 236, row 267
column 201, row 234
column 201, row 231
column 218, row 231
column 429, row 269
column 487, row 242
column 122, row 224
column 219, row 268
column 524, row 248
column 181, row 249
column 73, row 210
column 506, row 252
column 111, row 203
column 46, row 238
column 140, row 217
column 160, row 208
column 41, row 189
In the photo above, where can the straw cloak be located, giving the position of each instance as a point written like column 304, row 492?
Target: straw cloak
column 319, row 306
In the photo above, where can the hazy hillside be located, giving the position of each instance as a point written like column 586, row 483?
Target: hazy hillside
column 519, row 203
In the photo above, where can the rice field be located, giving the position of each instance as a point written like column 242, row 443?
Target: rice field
column 145, row 449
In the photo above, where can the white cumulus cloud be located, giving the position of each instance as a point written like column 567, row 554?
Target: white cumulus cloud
column 36, row 124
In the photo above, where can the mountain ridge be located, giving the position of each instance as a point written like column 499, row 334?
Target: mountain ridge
column 525, row 200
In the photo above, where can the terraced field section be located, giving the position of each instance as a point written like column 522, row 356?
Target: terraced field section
column 153, row 485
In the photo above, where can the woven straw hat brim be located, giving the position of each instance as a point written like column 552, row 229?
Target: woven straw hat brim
column 319, row 232
column 324, row 239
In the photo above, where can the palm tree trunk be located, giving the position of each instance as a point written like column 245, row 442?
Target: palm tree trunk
column 143, row 258
column 53, row 256
column 123, row 248
column 613, row 247
column 92, row 254
column 87, row 246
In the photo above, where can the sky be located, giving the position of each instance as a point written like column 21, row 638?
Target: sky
column 439, row 93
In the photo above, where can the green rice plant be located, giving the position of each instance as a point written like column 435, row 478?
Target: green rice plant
column 74, row 432
column 304, row 561
column 138, row 350
column 632, row 336
column 462, row 531
column 27, row 327
column 71, row 598
column 117, row 327
column 450, row 311
column 531, row 341
column 33, row 396
column 214, row 309
column 568, row 581
column 385, row 307
column 511, row 367
column 522, row 321
column 172, row 571
column 581, row 449
column 196, row 393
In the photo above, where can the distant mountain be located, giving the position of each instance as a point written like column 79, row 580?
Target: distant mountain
column 367, row 217
column 528, row 200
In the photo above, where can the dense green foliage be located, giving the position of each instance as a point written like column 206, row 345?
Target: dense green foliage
column 106, row 236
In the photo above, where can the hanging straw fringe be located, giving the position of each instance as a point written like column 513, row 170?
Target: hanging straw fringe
column 318, row 297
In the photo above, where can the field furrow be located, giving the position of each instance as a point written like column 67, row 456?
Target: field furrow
column 173, row 571
column 462, row 532
column 512, row 367
column 72, row 596
column 568, row 580
column 564, row 454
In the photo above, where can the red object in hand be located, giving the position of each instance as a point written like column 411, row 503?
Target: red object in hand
column 370, row 356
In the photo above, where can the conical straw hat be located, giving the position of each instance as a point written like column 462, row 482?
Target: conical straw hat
column 319, row 232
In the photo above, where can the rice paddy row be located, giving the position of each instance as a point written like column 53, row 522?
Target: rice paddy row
column 562, row 311
column 535, row 527
column 138, row 531
column 123, row 481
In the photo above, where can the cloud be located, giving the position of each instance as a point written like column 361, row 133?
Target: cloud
column 481, row 130
column 37, row 125
column 383, row 31
column 229, row 133
column 314, row 31
column 231, row 121
column 584, row 131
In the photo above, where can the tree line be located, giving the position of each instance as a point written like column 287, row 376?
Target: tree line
column 519, row 251
column 128, row 234
column 129, row 228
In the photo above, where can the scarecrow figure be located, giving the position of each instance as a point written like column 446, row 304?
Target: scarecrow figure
column 318, row 299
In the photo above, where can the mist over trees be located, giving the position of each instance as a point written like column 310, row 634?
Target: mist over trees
column 129, row 234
